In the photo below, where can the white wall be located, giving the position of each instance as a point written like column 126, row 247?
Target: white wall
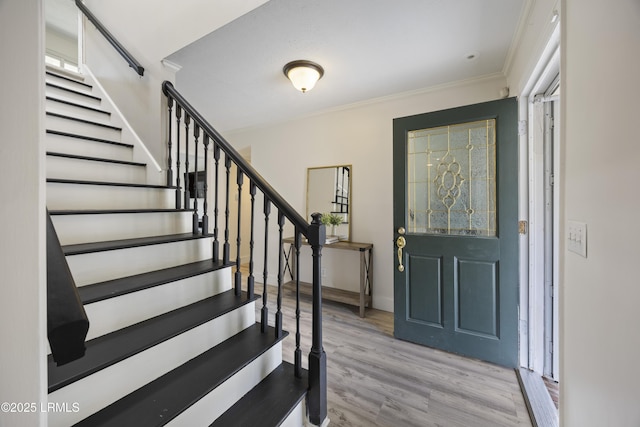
column 61, row 45
column 360, row 136
column 23, row 373
column 245, row 205
column 139, row 98
column 600, row 340
column 171, row 25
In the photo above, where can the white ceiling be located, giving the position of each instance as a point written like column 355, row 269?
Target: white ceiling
column 368, row 48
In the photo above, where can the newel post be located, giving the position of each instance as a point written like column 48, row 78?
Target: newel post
column 317, row 396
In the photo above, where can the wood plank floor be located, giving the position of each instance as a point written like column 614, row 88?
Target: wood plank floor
column 377, row 380
column 554, row 389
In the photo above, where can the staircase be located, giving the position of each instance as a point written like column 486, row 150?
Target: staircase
column 171, row 342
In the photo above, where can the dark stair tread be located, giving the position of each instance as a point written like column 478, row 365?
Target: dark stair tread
column 69, row 79
column 84, row 248
column 94, row 159
column 76, row 92
column 113, row 211
column 112, row 348
column 88, row 138
column 269, row 403
column 163, row 399
column 77, row 119
column 125, row 285
column 107, row 183
column 75, row 104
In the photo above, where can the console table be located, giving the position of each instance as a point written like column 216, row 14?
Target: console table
column 361, row 299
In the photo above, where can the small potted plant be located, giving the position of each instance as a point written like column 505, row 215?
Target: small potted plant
column 333, row 220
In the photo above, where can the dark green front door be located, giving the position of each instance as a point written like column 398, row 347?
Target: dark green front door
column 456, row 230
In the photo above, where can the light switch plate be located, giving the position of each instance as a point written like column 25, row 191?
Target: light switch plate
column 577, row 237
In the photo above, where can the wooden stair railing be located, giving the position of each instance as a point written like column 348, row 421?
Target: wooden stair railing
column 186, row 126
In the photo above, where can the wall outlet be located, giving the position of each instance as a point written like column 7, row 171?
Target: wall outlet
column 577, row 237
column 323, row 272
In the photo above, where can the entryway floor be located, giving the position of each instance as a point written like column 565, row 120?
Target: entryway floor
column 375, row 379
column 554, row 389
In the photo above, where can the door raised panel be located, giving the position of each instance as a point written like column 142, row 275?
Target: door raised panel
column 424, row 290
column 476, row 290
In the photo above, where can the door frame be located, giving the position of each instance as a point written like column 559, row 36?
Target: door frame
column 532, row 243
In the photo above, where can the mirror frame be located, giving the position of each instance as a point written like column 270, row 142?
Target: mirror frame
column 350, row 194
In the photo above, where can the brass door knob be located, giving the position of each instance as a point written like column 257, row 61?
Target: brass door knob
column 400, row 243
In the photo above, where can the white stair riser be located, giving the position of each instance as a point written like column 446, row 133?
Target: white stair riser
column 78, row 86
column 83, row 196
column 116, row 313
column 89, row 170
column 108, row 385
column 98, row 267
column 297, row 416
column 74, row 97
column 75, row 111
column 86, row 129
column 214, row 404
column 83, row 147
column 74, row 229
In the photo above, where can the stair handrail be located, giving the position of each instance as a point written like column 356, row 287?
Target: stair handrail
column 314, row 232
column 67, row 321
column 133, row 63
column 297, row 220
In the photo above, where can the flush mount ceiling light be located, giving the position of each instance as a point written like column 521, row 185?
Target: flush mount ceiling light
column 303, row 74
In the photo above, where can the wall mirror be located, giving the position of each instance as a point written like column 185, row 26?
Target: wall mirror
column 329, row 192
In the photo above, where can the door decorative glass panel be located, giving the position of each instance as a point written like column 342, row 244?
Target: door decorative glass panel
column 451, row 179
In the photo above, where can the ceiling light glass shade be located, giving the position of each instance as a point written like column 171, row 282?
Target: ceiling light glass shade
column 303, row 74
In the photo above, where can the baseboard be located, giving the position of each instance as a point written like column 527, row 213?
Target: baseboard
column 382, row 303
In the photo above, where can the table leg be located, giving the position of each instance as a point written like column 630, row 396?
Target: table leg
column 370, row 273
column 362, row 282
